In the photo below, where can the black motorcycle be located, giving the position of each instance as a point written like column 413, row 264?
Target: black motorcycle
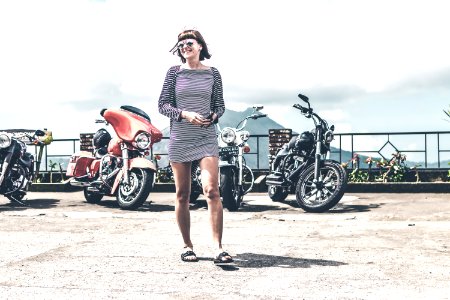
column 302, row 165
column 17, row 165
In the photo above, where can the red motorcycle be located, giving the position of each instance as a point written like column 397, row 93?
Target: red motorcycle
column 118, row 167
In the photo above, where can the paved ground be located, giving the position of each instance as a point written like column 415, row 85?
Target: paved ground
column 372, row 246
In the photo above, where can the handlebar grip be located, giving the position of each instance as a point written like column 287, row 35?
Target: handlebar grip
column 303, row 109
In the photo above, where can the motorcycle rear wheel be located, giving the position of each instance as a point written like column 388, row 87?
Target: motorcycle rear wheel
column 133, row 195
column 318, row 198
column 231, row 196
column 91, row 197
column 277, row 193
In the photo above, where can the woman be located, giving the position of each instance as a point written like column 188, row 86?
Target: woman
column 192, row 98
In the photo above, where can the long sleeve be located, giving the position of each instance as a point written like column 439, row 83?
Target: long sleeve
column 166, row 103
column 217, row 102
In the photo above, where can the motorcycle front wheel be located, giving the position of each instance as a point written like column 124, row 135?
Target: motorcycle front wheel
column 196, row 183
column 320, row 196
column 231, row 196
column 133, row 195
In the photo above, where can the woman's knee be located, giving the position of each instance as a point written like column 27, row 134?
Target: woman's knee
column 211, row 191
column 182, row 195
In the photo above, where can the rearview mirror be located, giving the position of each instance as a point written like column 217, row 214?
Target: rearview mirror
column 258, row 107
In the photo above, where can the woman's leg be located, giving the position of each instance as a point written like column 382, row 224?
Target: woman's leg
column 182, row 177
column 210, row 181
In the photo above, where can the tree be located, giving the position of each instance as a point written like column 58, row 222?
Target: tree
column 52, row 165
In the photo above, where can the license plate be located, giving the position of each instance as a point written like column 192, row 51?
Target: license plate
column 233, row 150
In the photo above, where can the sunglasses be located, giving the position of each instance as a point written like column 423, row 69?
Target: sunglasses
column 186, row 43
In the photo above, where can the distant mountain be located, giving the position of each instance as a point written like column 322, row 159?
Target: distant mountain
column 231, row 118
column 261, row 127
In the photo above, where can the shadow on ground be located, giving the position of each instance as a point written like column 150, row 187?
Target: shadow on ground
column 30, row 204
column 352, row 208
column 147, row 206
column 253, row 260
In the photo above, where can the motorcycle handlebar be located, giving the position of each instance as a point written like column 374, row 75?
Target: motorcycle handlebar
column 304, row 110
column 254, row 117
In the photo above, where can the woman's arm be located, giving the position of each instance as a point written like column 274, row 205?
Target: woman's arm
column 217, row 102
column 166, row 102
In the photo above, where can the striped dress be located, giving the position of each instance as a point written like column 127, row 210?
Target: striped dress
column 191, row 90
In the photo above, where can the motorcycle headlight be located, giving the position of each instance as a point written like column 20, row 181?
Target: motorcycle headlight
column 244, row 135
column 228, row 135
column 329, row 136
column 143, row 140
column 5, row 140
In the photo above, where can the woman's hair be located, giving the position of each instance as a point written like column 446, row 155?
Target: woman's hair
column 192, row 34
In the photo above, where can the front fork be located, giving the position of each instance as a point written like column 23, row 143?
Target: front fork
column 240, row 167
column 318, row 159
column 126, row 159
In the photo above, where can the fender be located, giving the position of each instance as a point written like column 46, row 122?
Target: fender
column 138, row 162
column 141, row 163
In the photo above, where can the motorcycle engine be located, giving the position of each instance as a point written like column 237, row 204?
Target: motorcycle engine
column 108, row 164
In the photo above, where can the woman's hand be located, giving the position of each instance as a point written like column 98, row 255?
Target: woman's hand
column 193, row 117
column 209, row 120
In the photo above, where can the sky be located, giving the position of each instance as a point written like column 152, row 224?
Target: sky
column 367, row 66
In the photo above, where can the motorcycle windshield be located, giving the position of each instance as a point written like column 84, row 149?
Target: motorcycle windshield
column 127, row 125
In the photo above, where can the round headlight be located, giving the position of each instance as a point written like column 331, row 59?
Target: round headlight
column 244, row 135
column 5, row 140
column 329, row 136
column 228, row 135
column 143, row 140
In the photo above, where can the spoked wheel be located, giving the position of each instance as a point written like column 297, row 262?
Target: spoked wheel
column 247, row 179
column 322, row 195
column 196, row 183
column 134, row 194
column 231, row 196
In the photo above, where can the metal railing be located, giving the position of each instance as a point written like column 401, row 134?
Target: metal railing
column 431, row 149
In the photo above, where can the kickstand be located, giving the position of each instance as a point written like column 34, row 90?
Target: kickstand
column 23, row 203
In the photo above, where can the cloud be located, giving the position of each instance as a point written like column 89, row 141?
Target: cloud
column 105, row 95
column 437, row 80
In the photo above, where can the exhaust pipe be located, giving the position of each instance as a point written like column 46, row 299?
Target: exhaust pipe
column 73, row 182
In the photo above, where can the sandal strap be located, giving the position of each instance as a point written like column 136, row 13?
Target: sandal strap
column 221, row 258
column 224, row 253
column 188, row 253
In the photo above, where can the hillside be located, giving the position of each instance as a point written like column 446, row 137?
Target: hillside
column 261, row 127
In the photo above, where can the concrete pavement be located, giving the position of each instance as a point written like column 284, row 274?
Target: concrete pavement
column 371, row 246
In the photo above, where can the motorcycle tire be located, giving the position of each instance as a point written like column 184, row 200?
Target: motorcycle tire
column 317, row 199
column 196, row 184
column 277, row 193
column 91, row 197
column 231, row 197
column 132, row 196
column 193, row 197
column 248, row 179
